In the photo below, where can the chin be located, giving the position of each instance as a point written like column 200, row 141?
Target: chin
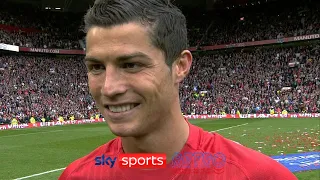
column 123, row 131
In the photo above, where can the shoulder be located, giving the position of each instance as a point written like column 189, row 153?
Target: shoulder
column 111, row 148
column 252, row 164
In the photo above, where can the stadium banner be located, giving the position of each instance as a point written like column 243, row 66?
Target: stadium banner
column 207, row 48
column 9, row 47
column 226, row 116
column 254, row 116
column 47, row 124
column 52, row 51
column 257, row 43
column 305, row 37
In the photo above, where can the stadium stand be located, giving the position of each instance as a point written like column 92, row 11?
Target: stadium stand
column 251, row 80
column 285, row 20
column 254, row 81
column 42, row 86
column 29, row 27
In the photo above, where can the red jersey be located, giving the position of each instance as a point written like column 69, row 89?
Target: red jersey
column 241, row 163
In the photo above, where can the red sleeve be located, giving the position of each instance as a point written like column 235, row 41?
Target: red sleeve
column 80, row 168
column 69, row 170
column 254, row 165
column 266, row 168
column 273, row 171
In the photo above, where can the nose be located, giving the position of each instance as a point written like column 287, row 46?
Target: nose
column 114, row 83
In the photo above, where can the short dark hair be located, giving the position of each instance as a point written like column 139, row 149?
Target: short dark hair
column 167, row 24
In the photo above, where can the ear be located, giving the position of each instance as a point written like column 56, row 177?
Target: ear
column 182, row 66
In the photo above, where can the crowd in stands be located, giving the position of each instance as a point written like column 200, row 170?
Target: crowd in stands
column 258, row 24
column 43, row 87
column 255, row 80
column 63, row 30
column 38, row 40
column 29, row 27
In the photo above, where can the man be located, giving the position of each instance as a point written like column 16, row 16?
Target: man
column 14, row 121
column 32, row 120
column 72, row 118
column 43, row 119
column 271, row 111
column 97, row 116
column 284, row 112
column 60, row 119
column 136, row 57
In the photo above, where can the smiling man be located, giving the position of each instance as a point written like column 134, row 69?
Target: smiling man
column 136, row 58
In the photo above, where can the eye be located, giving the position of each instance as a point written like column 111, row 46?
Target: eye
column 130, row 65
column 95, row 68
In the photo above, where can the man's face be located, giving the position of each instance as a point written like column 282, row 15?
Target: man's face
column 128, row 78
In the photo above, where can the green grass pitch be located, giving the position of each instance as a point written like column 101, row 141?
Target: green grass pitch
column 26, row 152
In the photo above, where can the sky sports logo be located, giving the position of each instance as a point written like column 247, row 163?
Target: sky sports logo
column 194, row 161
column 105, row 160
column 133, row 161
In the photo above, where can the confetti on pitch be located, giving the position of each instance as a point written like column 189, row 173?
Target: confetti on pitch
column 243, row 135
column 259, row 142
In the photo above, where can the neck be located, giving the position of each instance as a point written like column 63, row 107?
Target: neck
column 169, row 138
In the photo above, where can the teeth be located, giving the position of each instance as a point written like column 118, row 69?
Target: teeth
column 122, row 108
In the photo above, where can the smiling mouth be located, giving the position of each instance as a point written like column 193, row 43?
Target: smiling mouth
column 121, row 108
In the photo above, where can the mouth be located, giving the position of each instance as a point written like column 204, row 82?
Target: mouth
column 121, row 108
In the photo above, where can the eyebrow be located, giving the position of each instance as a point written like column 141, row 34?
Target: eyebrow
column 125, row 57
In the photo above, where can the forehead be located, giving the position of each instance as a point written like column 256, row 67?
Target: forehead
column 119, row 39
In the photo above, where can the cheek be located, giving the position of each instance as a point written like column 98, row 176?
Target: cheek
column 94, row 86
column 163, row 86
